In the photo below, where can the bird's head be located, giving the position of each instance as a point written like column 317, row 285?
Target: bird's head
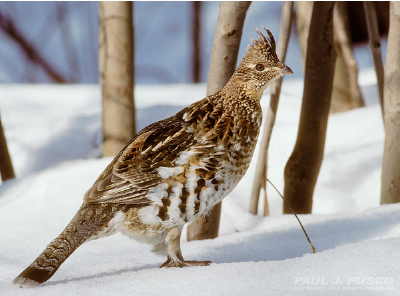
column 260, row 66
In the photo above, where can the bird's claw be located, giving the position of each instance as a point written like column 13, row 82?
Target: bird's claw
column 171, row 263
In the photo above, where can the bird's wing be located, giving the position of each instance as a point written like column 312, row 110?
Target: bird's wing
column 133, row 172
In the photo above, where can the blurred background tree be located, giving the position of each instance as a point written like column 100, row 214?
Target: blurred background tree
column 47, row 42
column 65, row 35
column 116, row 60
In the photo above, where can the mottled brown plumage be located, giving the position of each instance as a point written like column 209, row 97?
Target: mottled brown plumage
column 173, row 170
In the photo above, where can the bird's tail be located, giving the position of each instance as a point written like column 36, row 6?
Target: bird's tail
column 88, row 221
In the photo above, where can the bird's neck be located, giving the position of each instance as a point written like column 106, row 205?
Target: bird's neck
column 243, row 88
column 238, row 102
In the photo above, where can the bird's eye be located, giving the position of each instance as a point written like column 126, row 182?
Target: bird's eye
column 260, row 67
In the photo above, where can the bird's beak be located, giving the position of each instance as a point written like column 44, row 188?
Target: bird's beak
column 285, row 70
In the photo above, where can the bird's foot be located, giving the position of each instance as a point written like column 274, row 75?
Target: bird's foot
column 171, row 263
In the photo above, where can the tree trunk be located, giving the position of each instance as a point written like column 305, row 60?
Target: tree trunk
column 375, row 45
column 303, row 19
column 116, row 74
column 390, row 190
column 302, row 168
column 225, row 49
column 261, row 168
column 346, row 93
column 222, row 65
column 196, row 8
column 6, row 167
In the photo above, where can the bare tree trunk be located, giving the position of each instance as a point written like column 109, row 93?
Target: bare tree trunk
column 375, row 45
column 6, row 167
column 346, row 93
column 390, row 190
column 302, row 168
column 225, row 49
column 196, row 8
column 117, row 74
column 261, row 168
column 224, row 53
column 303, row 19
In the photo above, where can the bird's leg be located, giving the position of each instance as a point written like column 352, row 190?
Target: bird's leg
column 174, row 253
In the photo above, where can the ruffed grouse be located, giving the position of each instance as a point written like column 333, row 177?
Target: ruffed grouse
column 173, row 170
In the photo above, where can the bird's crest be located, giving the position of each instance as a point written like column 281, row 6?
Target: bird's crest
column 264, row 44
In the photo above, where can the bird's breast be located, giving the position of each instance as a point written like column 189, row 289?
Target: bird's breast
column 205, row 172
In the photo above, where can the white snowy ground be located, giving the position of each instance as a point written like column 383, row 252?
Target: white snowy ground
column 54, row 135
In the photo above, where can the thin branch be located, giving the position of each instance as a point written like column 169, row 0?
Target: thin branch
column 294, row 213
column 264, row 187
column 259, row 181
column 9, row 28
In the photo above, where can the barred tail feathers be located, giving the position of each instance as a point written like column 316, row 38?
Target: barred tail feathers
column 88, row 221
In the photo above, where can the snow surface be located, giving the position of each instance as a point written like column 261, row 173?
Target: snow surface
column 54, row 135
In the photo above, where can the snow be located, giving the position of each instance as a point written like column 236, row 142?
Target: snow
column 54, row 136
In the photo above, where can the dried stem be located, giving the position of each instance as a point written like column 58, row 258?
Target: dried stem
column 293, row 212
